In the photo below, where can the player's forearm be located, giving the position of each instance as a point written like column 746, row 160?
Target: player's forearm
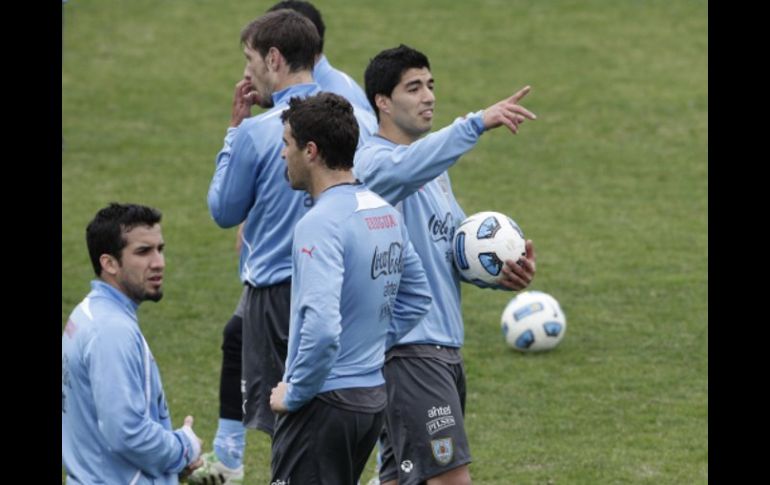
column 310, row 370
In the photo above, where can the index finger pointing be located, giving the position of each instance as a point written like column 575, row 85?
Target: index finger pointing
column 520, row 94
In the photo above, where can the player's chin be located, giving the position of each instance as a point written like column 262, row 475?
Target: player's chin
column 154, row 294
column 294, row 183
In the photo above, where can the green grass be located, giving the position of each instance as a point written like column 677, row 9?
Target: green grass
column 611, row 183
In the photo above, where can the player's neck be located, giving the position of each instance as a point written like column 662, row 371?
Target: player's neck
column 392, row 132
column 292, row 78
column 326, row 178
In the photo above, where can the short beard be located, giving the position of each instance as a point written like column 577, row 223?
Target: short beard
column 138, row 295
column 155, row 296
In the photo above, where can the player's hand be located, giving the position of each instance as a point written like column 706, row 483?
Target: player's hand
column 244, row 98
column 508, row 112
column 517, row 275
column 185, row 474
column 197, row 446
column 276, row 398
column 188, row 421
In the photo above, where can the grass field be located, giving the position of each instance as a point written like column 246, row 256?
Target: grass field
column 611, row 183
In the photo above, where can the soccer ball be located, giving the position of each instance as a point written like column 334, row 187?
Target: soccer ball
column 533, row 321
column 483, row 242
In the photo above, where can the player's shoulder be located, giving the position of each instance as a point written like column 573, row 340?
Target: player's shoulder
column 317, row 227
column 263, row 130
column 269, row 117
column 110, row 314
column 374, row 150
column 330, row 212
column 367, row 199
column 375, row 144
column 117, row 324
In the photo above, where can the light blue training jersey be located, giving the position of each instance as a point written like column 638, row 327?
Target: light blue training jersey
column 249, row 184
column 356, row 283
column 337, row 82
column 414, row 179
column 115, row 425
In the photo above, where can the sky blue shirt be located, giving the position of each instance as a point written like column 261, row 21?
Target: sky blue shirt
column 413, row 178
column 336, row 81
column 249, row 184
column 116, row 426
column 357, row 285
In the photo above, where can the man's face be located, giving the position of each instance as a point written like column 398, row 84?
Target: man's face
column 296, row 166
column 256, row 71
column 140, row 270
column 412, row 102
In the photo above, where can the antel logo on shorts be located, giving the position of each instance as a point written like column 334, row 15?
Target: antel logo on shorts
column 443, row 419
column 440, row 411
column 407, row 466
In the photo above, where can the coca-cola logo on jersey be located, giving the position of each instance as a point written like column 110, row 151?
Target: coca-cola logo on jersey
column 388, row 261
column 441, row 230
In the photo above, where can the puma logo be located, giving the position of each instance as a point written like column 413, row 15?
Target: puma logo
column 309, row 251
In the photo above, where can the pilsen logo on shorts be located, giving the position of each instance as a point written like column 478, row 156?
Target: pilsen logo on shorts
column 442, row 450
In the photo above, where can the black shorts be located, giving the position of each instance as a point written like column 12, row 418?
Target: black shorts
column 424, row 433
column 265, row 335
column 323, row 444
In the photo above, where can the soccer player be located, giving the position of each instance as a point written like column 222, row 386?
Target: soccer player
column 225, row 460
column 116, row 426
column 424, row 437
column 356, row 282
column 249, row 185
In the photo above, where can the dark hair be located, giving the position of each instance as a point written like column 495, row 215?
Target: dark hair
column 308, row 10
column 104, row 234
column 384, row 71
column 327, row 120
column 288, row 31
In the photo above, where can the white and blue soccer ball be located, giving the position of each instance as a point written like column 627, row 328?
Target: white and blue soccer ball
column 533, row 321
column 483, row 242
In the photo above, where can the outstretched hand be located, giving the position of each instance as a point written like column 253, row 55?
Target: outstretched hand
column 508, row 112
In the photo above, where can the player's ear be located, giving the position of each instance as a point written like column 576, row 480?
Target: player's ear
column 382, row 102
column 273, row 59
column 311, row 150
column 110, row 264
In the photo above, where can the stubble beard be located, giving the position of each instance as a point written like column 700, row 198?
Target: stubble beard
column 139, row 294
